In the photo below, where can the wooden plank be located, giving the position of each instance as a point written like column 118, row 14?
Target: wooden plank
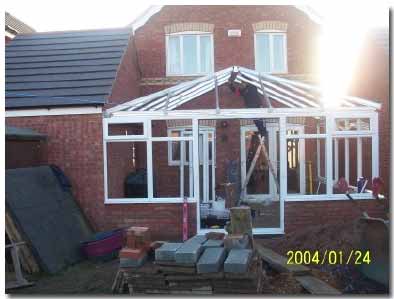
column 316, row 286
column 279, row 262
column 29, row 264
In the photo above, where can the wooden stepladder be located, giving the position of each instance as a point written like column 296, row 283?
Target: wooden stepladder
column 262, row 148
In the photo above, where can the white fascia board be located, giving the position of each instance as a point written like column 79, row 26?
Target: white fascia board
column 145, row 16
column 53, row 111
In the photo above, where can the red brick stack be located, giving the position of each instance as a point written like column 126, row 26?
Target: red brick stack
column 138, row 242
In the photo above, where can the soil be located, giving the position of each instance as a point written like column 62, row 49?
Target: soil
column 97, row 278
column 344, row 236
column 83, row 278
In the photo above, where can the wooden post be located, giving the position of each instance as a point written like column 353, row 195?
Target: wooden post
column 241, row 222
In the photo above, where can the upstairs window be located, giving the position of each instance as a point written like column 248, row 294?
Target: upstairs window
column 189, row 54
column 271, row 52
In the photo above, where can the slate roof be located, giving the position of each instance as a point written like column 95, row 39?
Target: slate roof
column 63, row 68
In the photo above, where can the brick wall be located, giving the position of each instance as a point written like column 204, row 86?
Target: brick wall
column 24, row 153
column 126, row 84
column 228, row 51
column 299, row 215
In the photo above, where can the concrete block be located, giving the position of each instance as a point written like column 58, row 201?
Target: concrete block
column 132, row 263
column 212, row 243
column 237, row 242
column 167, row 251
column 211, row 260
column 215, row 236
column 237, row 261
column 188, row 253
column 200, row 239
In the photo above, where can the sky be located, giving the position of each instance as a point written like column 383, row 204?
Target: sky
column 51, row 15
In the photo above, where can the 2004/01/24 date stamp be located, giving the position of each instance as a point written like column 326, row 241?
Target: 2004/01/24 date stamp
column 331, row 257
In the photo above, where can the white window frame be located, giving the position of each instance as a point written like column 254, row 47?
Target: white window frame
column 149, row 139
column 281, row 114
column 272, row 33
column 172, row 162
column 181, row 34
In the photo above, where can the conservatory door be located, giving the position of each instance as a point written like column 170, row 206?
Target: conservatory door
column 261, row 182
column 206, row 148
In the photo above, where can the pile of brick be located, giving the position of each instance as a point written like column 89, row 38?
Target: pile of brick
column 138, row 244
column 199, row 266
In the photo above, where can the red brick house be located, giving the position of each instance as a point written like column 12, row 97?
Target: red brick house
column 186, row 134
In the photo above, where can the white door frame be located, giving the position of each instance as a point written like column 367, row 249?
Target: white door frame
column 203, row 156
column 272, row 129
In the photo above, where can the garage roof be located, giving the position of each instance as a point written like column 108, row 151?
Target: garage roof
column 63, row 68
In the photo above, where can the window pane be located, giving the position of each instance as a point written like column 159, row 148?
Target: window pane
column 190, row 54
column 126, row 170
column 262, row 52
column 174, row 57
column 125, row 129
column 206, row 54
column 171, row 181
column 279, row 54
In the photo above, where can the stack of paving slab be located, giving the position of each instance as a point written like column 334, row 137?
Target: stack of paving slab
column 198, row 267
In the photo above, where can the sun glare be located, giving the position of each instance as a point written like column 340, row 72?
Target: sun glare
column 340, row 49
column 342, row 38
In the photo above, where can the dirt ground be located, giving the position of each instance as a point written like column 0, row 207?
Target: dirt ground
column 83, row 278
column 344, row 236
column 97, row 278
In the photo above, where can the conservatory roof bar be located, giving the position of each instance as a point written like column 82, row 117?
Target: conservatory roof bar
column 291, row 94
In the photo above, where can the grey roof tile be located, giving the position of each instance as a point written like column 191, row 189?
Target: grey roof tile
column 63, row 68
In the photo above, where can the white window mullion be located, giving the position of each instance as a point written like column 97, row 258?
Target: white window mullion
column 375, row 145
column 347, row 153
column 359, row 152
column 181, row 53
column 271, row 45
column 149, row 159
column 329, row 125
column 212, row 55
column 198, row 54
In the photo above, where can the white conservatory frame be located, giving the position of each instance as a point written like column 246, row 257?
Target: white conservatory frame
column 302, row 100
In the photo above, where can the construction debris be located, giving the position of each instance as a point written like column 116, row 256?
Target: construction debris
column 194, row 268
column 138, row 243
column 316, row 286
column 153, row 278
column 279, row 262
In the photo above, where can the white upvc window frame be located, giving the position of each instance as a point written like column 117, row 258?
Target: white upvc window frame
column 149, row 139
column 271, row 33
column 281, row 113
column 171, row 161
column 181, row 35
